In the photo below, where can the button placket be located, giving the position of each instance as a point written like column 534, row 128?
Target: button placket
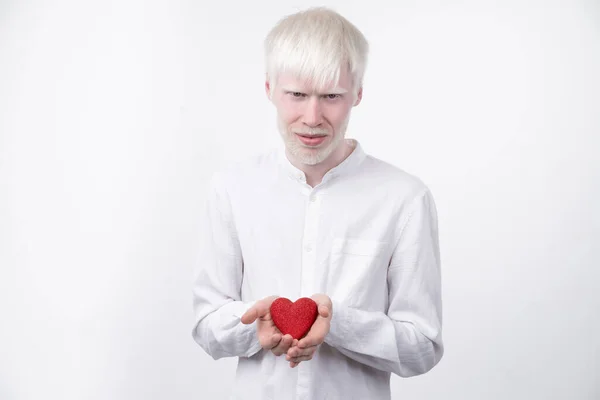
column 309, row 245
column 309, row 255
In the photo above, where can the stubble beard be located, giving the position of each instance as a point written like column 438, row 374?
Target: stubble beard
column 307, row 155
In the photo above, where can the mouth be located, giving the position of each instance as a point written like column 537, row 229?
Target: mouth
column 311, row 140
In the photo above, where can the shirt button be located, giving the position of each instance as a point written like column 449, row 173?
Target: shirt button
column 313, row 199
column 308, row 248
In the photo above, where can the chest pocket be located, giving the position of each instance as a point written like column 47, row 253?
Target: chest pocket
column 357, row 272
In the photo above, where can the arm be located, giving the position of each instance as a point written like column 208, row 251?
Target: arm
column 216, row 290
column 406, row 340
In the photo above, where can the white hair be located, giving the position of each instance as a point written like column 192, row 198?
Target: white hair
column 313, row 45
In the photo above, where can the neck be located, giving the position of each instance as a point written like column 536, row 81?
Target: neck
column 315, row 173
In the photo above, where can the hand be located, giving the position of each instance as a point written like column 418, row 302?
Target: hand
column 304, row 349
column 269, row 337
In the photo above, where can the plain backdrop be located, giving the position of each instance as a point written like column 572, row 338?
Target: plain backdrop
column 113, row 115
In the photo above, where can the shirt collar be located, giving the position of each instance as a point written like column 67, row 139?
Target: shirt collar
column 345, row 167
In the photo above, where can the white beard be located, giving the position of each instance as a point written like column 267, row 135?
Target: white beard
column 306, row 155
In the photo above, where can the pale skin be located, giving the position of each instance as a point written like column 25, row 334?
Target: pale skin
column 270, row 338
column 301, row 110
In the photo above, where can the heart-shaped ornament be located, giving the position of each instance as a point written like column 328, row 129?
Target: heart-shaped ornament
column 295, row 318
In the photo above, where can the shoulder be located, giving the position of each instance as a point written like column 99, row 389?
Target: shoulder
column 395, row 181
column 408, row 195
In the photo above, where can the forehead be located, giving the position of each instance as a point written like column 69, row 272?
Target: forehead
column 293, row 82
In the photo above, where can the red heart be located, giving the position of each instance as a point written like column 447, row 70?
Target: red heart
column 294, row 318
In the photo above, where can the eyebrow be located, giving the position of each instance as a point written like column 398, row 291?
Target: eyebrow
column 335, row 90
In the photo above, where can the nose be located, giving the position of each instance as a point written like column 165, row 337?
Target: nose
column 313, row 115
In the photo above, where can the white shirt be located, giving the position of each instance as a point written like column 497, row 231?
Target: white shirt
column 366, row 236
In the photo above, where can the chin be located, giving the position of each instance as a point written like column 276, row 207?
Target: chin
column 311, row 159
column 312, row 156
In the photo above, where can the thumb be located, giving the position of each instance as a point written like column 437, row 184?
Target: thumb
column 252, row 314
column 249, row 316
column 258, row 310
column 324, row 311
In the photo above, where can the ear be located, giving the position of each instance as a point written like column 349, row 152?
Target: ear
column 358, row 96
column 268, row 88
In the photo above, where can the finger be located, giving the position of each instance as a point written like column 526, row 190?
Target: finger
column 297, row 351
column 294, row 364
column 297, row 360
column 316, row 335
column 273, row 341
column 283, row 345
column 324, row 311
column 259, row 310
column 254, row 312
column 263, row 310
column 250, row 316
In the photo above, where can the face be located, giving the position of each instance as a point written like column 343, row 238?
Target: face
column 313, row 124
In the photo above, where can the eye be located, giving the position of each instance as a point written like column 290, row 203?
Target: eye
column 297, row 94
column 332, row 96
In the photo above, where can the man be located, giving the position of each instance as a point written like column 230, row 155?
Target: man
column 321, row 219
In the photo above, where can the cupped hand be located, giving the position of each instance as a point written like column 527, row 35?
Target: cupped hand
column 269, row 337
column 305, row 348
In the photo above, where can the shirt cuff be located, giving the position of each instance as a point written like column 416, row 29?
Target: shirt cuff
column 339, row 328
column 239, row 308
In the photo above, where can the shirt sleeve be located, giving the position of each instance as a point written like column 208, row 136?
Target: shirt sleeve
column 407, row 339
column 218, row 278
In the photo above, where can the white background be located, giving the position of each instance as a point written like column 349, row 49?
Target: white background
column 113, row 114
